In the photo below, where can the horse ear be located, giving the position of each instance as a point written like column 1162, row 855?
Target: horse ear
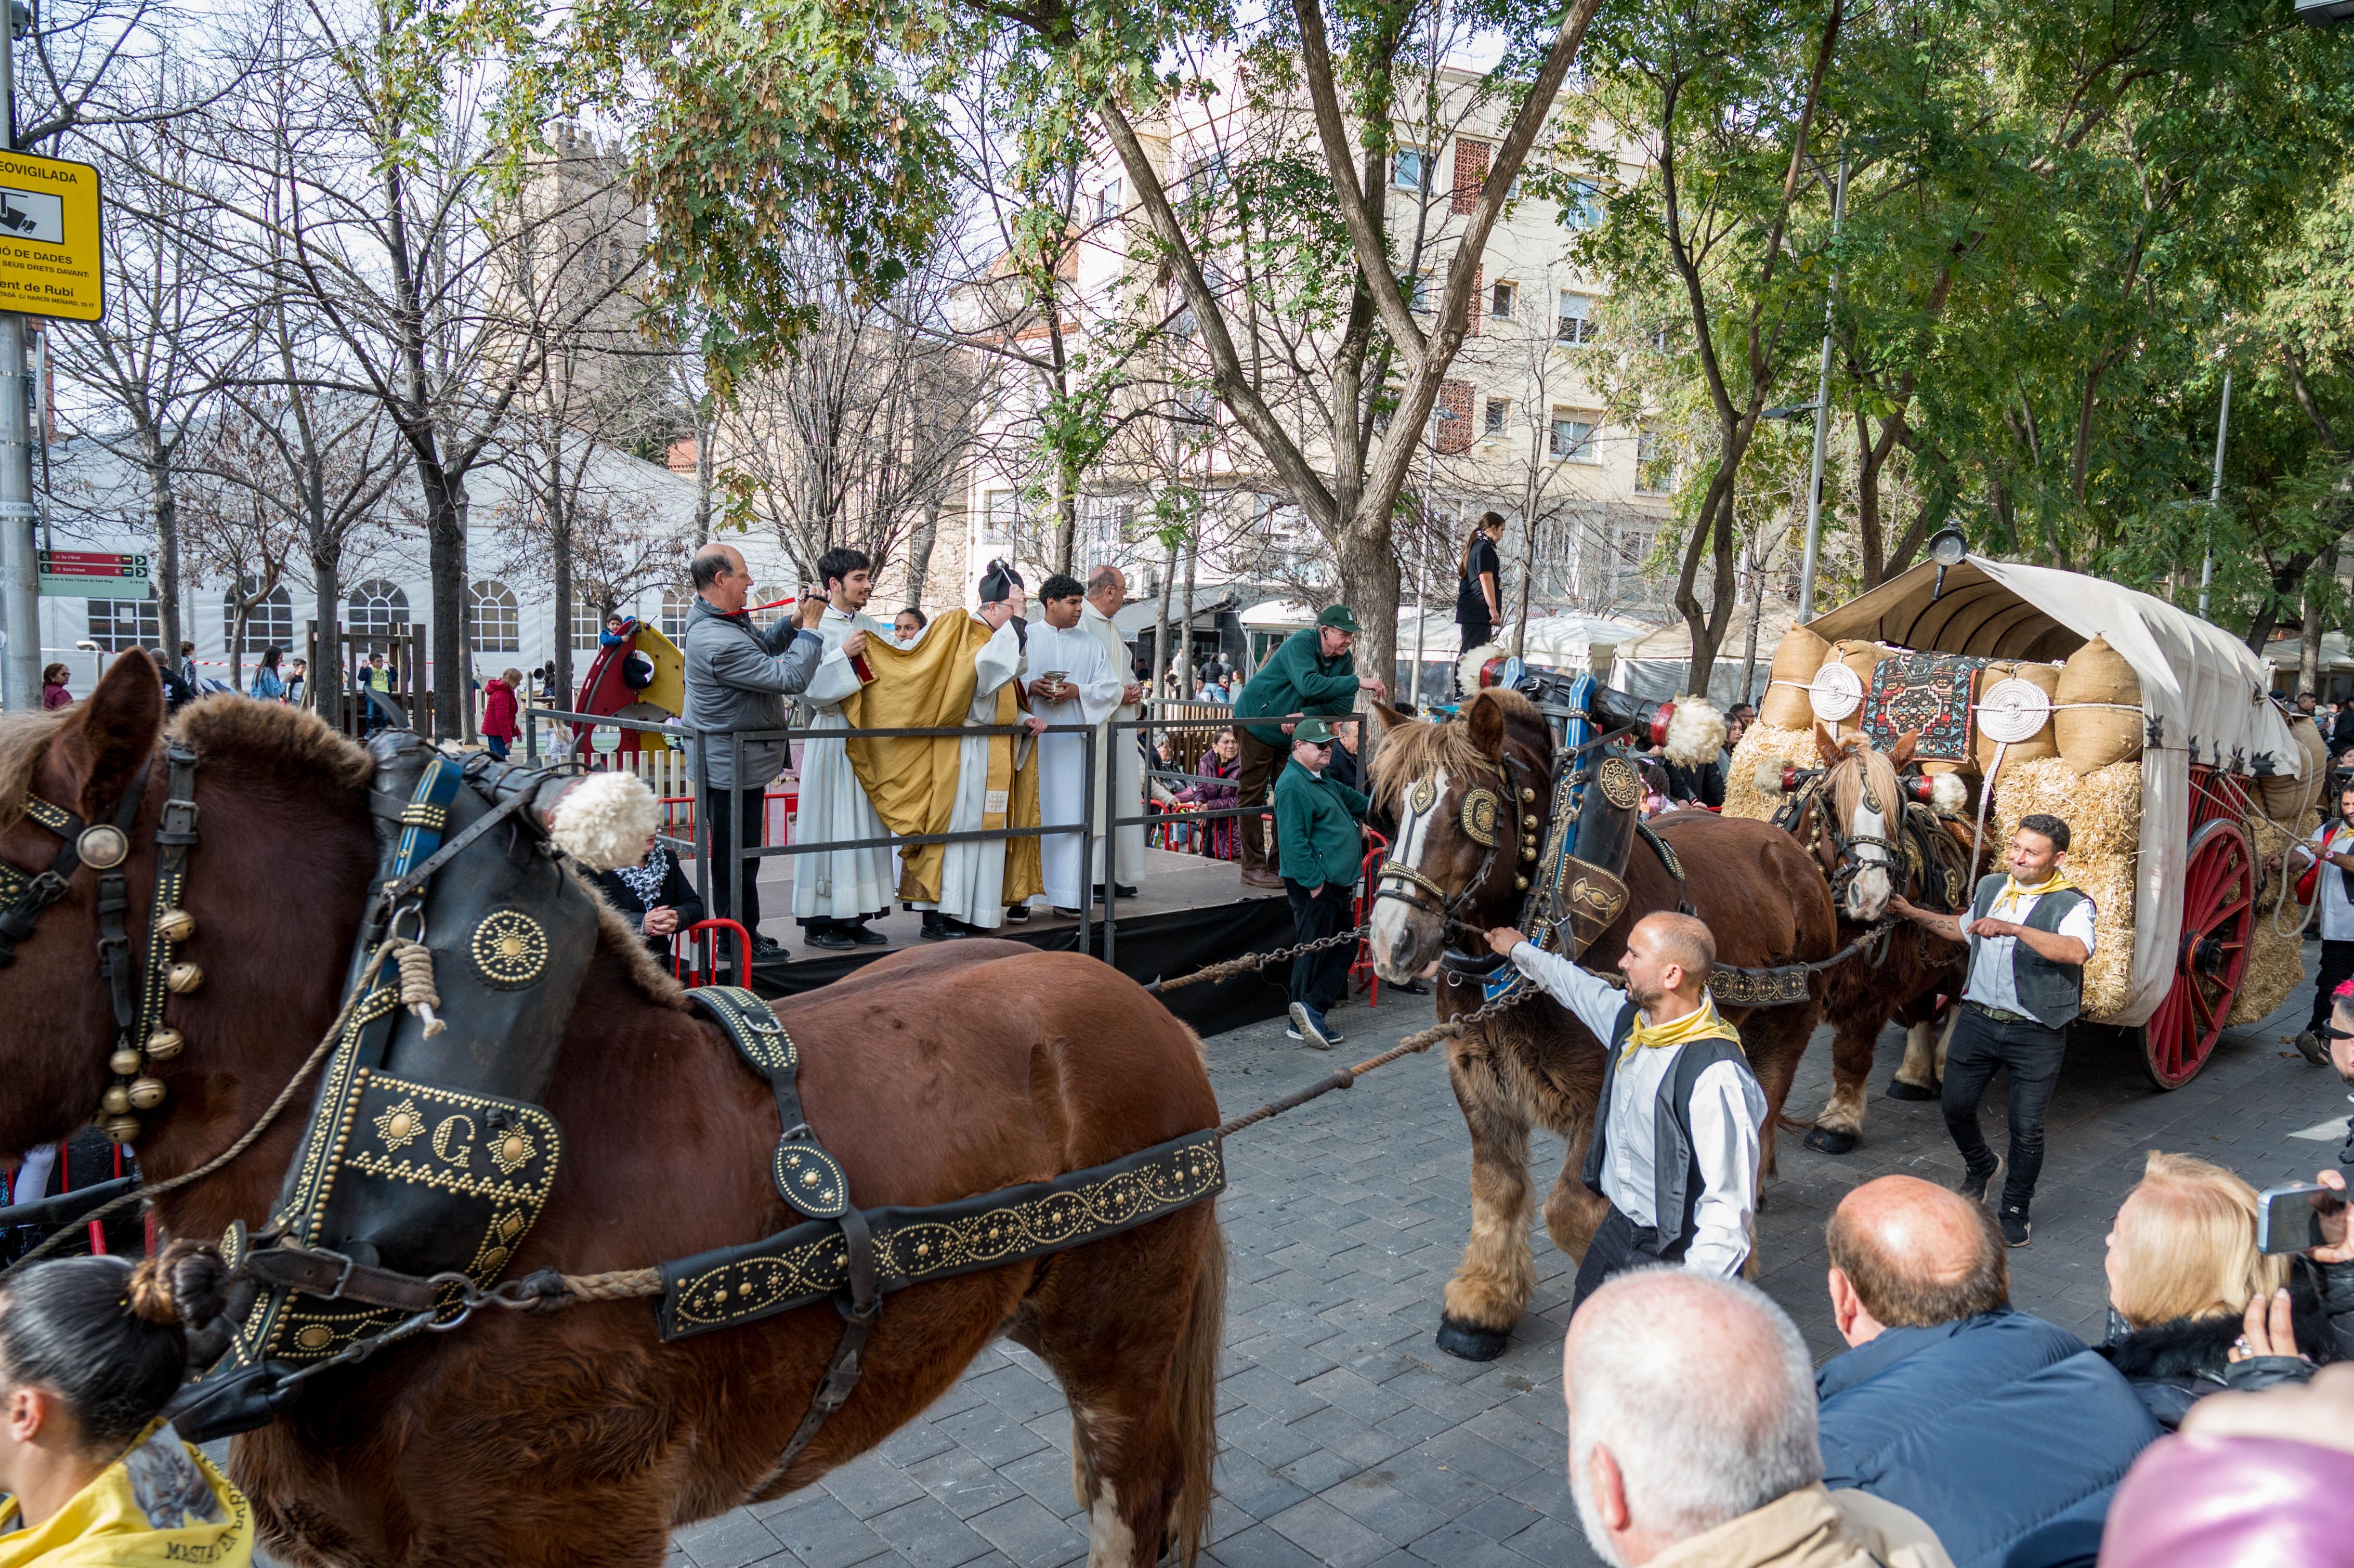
column 1829, row 750
column 115, row 736
column 1907, row 744
column 1486, row 717
column 1390, row 718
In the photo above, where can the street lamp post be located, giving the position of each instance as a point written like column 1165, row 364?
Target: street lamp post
column 2215, row 495
column 1822, row 417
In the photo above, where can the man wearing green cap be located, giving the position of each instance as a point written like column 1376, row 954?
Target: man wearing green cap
column 1310, row 673
column 1319, row 838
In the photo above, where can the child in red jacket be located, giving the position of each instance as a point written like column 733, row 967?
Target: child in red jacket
column 499, row 730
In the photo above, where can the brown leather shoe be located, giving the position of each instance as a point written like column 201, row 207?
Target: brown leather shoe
column 1261, row 879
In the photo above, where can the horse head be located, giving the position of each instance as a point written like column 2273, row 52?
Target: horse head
column 1469, row 796
column 274, row 886
column 1861, row 801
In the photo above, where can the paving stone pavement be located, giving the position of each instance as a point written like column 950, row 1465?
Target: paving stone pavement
column 1347, row 1436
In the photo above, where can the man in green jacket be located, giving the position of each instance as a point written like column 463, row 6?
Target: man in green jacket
column 1310, row 673
column 1319, row 835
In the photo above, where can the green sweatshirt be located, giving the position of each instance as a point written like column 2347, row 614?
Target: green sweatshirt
column 1315, row 820
column 1297, row 679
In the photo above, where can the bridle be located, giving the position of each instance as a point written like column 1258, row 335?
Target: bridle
column 141, row 1038
column 1482, row 814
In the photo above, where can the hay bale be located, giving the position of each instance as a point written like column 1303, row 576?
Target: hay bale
column 1762, row 744
column 1863, row 658
column 1799, row 655
column 2097, row 718
column 2276, row 958
column 2040, row 745
column 2103, row 810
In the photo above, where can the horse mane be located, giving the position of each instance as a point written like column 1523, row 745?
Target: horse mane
column 1847, row 783
column 286, row 739
column 1410, row 750
column 24, row 738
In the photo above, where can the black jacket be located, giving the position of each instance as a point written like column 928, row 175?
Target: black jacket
column 2174, row 1365
column 677, row 893
column 1703, row 784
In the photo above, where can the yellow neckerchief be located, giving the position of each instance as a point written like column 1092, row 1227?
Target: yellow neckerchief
column 1702, row 1023
column 161, row 1504
column 2056, row 882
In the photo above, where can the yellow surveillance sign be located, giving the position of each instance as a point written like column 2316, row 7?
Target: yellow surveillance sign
column 49, row 239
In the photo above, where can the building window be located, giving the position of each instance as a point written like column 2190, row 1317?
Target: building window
column 1107, row 201
column 1573, row 438
column 377, row 611
column 269, row 624
column 587, row 615
column 1499, row 410
column 1410, row 169
column 1655, row 463
column 675, row 603
column 1500, row 305
column 1001, row 509
column 1577, row 323
column 119, row 625
column 493, row 624
column 1581, row 206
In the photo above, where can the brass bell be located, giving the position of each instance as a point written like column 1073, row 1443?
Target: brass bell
column 175, row 924
column 1527, row 795
column 115, row 1101
column 182, row 978
column 125, row 1062
column 1520, row 884
column 1528, row 849
column 121, row 1129
column 146, row 1094
column 165, row 1044
column 1529, row 823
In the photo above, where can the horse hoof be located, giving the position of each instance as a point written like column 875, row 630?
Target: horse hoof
column 1898, row 1089
column 1827, row 1141
column 1471, row 1343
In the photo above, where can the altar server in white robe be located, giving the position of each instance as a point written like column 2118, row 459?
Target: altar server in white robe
column 836, row 891
column 972, row 874
column 1087, row 691
column 1106, row 591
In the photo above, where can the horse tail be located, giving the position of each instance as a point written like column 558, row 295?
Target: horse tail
column 1193, row 1395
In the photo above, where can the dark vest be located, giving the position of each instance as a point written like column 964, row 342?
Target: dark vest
column 2050, row 993
column 1675, row 1169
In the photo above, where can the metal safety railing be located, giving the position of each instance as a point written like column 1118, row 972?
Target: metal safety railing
column 1093, row 821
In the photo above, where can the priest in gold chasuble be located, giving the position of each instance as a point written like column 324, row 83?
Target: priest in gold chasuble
column 959, row 671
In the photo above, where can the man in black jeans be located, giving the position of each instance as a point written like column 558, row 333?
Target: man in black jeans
column 2030, row 935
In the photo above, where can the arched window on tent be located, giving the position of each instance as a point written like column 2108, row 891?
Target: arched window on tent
column 675, row 602
column 376, row 611
column 268, row 624
column 495, row 622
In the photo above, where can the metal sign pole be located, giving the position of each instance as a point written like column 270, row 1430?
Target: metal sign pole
column 20, row 670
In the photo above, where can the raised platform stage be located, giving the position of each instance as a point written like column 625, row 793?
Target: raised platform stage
column 1188, row 912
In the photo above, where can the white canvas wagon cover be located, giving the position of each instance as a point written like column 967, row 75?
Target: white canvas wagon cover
column 2200, row 684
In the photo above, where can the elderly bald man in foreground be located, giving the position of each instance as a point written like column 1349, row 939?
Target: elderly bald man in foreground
column 1691, row 1437
column 2000, row 1429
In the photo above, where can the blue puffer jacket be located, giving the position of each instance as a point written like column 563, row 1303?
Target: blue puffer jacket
column 2001, row 1431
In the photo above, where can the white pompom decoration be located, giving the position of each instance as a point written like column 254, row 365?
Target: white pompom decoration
column 604, row 820
column 1949, row 794
column 1695, row 734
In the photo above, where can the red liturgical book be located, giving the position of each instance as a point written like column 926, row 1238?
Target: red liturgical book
column 865, row 671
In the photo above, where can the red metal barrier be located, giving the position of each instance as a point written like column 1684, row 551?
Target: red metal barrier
column 690, row 973
column 1367, row 870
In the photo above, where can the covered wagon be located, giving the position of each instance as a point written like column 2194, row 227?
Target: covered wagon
column 2150, row 732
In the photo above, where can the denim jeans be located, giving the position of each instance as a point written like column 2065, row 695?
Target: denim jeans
column 2033, row 1053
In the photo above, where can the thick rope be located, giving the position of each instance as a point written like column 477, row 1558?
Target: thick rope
column 622, row 1285
column 319, row 1054
column 417, row 992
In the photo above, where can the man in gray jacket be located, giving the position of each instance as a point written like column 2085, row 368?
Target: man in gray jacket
column 740, row 678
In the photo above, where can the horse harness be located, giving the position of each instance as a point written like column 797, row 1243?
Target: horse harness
column 140, row 1035
column 428, row 1160
column 1924, row 856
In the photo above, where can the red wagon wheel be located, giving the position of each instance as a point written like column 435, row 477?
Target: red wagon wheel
column 2219, row 915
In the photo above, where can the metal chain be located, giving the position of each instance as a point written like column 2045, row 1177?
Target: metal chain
column 1253, row 962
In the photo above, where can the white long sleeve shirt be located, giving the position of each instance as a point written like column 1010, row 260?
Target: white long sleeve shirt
column 1726, row 1111
column 1993, row 979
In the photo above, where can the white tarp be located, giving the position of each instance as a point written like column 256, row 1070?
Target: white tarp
column 2202, row 685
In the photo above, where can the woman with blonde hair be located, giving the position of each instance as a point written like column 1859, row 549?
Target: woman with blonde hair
column 2183, row 1267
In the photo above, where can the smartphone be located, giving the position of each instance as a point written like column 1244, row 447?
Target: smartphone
column 2289, row 1219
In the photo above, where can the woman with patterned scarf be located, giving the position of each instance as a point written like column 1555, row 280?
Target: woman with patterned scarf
column 654, row 896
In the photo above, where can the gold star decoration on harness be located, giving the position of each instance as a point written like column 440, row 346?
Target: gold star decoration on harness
column 401, row 1124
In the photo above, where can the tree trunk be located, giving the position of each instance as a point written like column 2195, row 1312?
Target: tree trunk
column 2308, row 653
column 323, row 683
column 920, row 552
column 1369, row 586
column 1160, row 659
column 1183, row 659
column 561, row 550
column 1756, row 613
column 163, row 512
column 2285, row 578
column 1067, row 512
column 236, row 641
column 707, row 430
column 445, row 539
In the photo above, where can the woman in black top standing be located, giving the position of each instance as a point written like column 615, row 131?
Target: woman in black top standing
column 1479, row 596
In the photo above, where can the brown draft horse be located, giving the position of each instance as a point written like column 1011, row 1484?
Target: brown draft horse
column 1904, row 978
column 1535, row 1065
column 578, row 1438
